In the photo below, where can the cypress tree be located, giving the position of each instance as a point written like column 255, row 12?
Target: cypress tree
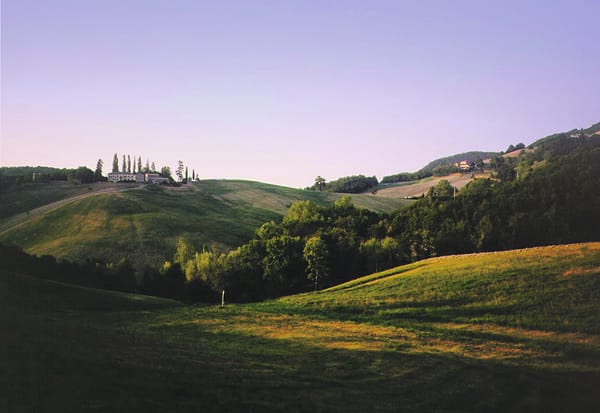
column 115, row 166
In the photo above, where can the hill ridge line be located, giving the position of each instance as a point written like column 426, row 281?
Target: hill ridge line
column 24, row 218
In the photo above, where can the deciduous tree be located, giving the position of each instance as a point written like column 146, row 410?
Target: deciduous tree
column 316, row 255
column 320, row 182
column 165, row 172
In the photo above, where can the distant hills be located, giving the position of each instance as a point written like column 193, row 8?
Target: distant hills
column 441, row 166
column 472, row 156
column 512, row 329
column 142, row 223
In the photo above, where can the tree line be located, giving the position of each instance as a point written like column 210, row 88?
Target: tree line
column 355, row 184
column 557, row 201
column 10, row 176
column 90, row 273
column 550, row 197
column 127, row 166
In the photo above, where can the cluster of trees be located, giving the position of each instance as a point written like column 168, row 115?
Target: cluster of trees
column 355, row 184
column 81, row 175
column 444, row 170
column 129, row 166
column 27, row 174
column 183, row 175
column 406, row 177
column 542, row 197
column 313, row 247
column 512, row 148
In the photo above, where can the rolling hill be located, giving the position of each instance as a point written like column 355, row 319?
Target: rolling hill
column 143, row 223
column 418, row 188
column 414, row 184
column 472, row 156
column 509, row 331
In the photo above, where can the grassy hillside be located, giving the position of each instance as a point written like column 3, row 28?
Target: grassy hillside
column 17, row 199
column 142, row 223
column 422, row 186
column 510, row 331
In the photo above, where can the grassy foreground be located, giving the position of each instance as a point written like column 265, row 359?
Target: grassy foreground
column 507, row 331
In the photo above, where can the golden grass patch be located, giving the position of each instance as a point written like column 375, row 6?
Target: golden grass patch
column 576, row 272
column 505, row 344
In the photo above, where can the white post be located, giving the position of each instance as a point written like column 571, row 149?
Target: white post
column 223, row 298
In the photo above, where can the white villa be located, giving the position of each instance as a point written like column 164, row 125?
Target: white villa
column 148, row 178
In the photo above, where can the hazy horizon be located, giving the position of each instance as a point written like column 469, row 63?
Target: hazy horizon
column 282, row 92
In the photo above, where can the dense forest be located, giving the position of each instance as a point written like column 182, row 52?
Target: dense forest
column 547, row 196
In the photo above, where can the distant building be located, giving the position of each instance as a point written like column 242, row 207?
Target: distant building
column 153, row 178
column 463, row 166
column 121, row 177
column 140, row 178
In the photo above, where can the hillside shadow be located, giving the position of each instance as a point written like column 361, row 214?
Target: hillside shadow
column 185, row 368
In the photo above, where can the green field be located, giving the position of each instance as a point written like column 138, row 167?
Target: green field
column 506, row 331
column 143, row 223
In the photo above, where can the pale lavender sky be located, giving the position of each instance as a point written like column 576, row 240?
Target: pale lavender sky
column 282, row 91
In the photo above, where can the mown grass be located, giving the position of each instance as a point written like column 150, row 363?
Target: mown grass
column 509, row 331
column 143, row 224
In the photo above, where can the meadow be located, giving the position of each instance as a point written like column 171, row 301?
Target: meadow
column 506, row 331
column 143, row 223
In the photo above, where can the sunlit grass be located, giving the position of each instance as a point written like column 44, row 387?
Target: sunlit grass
column 508, row 331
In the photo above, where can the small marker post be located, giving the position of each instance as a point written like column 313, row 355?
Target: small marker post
column 223, row 298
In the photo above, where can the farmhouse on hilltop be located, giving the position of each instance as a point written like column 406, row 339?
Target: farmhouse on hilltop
column 148, row 178
column 464, row 166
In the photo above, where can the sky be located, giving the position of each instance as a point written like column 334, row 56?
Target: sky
column 282, row 91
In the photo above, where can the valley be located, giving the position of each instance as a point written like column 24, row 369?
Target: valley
column 507, row 331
